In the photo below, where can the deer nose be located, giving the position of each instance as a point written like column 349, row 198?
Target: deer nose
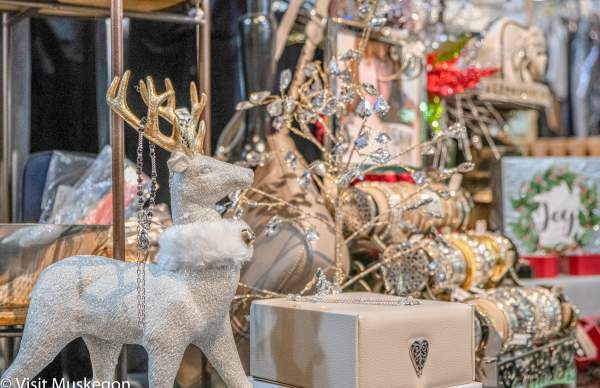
column 248, row 236
column 249, row 177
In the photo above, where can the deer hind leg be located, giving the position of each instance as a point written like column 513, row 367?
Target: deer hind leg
column 222, row 354
column 42, row 341
column 104, row 356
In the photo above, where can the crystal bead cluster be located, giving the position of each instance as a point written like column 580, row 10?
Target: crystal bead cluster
column 329, row 92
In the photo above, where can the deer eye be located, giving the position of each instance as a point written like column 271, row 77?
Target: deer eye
column 205, row 170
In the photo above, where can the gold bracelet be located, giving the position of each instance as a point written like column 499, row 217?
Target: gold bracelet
column 470, row 259
column 492, row 245
column 495, row 316
column 449, row 261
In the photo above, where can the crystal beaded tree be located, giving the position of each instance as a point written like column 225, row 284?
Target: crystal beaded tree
column 344, row 159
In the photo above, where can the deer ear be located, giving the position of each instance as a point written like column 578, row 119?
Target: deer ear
column 178, row 162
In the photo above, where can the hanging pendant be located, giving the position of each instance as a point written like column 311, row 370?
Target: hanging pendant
column 419, row 350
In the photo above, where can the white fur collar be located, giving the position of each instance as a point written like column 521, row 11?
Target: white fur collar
column 199, row 244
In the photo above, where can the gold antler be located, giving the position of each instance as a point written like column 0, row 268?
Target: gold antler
column 185, row 137
column 166, row 112
column 194, row 137
column 198, row 107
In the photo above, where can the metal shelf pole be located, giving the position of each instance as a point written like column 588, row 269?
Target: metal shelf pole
column 117, row 133
column 203, row 47
column 118, row 152
column 6, row 173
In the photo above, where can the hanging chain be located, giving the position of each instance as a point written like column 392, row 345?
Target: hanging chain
column 144, row 219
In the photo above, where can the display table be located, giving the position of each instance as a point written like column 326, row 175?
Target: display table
column 581, row 291
column 12, row 316
column 264, row 384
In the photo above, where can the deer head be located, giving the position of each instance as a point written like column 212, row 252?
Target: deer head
column 197, row 181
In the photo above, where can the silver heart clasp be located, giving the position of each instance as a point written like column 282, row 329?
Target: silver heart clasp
column 419, row 350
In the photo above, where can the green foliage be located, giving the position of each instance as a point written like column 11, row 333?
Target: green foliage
column 449, row 50
column 525, row 205
column 433, row 114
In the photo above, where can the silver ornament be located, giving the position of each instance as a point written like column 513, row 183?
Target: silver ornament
column 350, row 55
column 383, row 138
column 369, row 88
column 377, row 22
column 285, row 78
column 304, row 180
column 364, row 108
column 272, row 226
column 333, row 67
column 362, row 141
column 258, row 97
column 275, row 108
column 278, row 123
column 311, row 234
column 380, row 156
column 291, row 159
column 187, row 295
column 419, row 177
column 381, row 106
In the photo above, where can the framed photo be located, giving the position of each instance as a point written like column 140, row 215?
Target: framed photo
column 381, row 67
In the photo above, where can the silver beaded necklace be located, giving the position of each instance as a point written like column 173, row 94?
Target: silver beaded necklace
column 144, row 219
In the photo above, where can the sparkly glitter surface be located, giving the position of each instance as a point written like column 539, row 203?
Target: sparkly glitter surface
column 197, row 183
column 96, row 298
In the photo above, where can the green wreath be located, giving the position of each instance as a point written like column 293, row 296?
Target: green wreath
column 525, row 205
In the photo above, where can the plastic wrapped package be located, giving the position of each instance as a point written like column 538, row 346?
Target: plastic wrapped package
column 26, row 250
column 77, row 191
column 64, row 170
column 89, row 201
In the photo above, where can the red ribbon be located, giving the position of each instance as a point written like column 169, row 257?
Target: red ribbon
column 320, row 131
column 388, row 177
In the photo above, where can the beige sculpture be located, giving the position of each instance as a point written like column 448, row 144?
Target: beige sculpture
column 519, row 50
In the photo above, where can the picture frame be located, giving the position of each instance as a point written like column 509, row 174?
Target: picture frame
column 549, row 205
column 383, row 65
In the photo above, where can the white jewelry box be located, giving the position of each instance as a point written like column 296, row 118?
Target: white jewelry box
column 343, row 345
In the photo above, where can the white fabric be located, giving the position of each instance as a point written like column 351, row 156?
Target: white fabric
column 200, row 244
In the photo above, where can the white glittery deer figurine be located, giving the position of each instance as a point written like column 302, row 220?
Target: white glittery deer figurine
column 187, row 294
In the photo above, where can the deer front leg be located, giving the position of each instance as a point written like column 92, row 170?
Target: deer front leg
column 164, row 359
column 222, row 353
column 104, row 356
